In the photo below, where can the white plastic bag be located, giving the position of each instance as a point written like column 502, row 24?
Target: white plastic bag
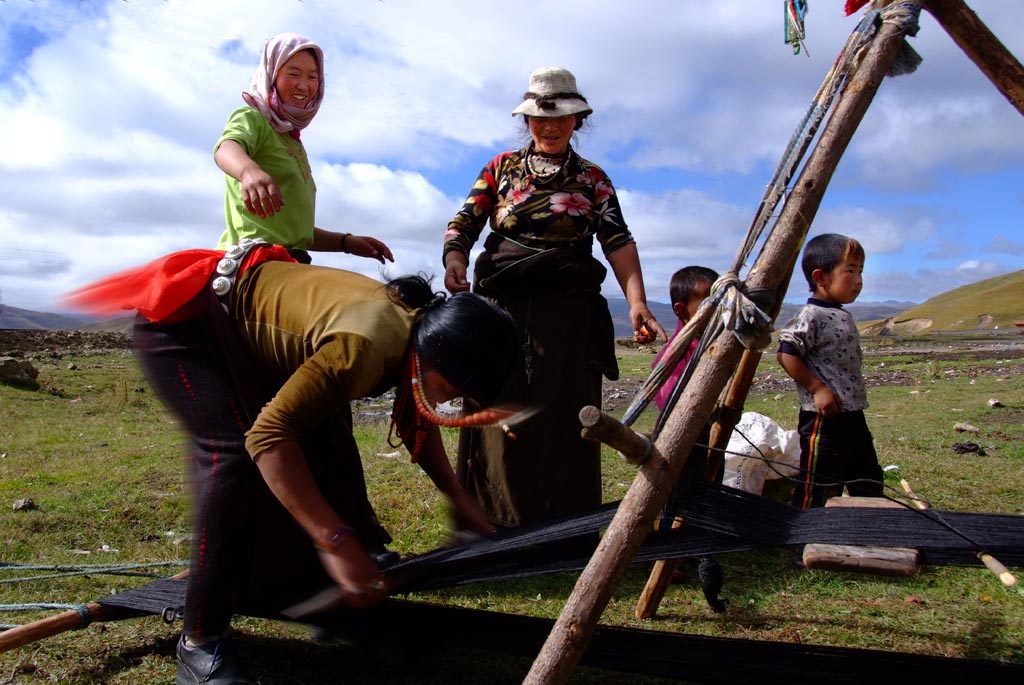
column 756, row 439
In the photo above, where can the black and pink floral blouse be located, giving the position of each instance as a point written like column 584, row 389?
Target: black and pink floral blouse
column 541, row 202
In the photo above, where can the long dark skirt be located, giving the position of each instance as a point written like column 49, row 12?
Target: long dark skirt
column 247, row 550
column 548, row 470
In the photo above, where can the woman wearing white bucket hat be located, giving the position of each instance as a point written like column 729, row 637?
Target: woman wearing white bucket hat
column 546, row 205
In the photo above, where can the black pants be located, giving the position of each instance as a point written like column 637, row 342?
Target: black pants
column 836, row 451
column 247, row 550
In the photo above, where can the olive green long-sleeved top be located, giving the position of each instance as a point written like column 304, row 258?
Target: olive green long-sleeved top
column 332, row 335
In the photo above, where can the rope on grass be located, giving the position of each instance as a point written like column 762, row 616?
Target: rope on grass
column 69, row 570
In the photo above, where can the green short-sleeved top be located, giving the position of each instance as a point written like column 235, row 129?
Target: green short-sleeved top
column 332, row 336
column 284, row 158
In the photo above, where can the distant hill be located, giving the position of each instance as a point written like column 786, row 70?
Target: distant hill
column 995, row 303
column 12, row 317
column 26, row 319
column 862, row 311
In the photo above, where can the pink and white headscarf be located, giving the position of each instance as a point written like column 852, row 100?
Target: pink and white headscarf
column 262, row 94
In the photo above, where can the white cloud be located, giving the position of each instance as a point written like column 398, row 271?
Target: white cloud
column 109, row 111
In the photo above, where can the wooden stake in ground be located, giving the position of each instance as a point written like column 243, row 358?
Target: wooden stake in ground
column 729, row 413
column 649, row 491
column 991, row 563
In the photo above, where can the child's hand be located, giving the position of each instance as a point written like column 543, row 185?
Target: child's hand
column 826, row 401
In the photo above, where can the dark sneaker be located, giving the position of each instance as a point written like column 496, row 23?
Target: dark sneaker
column 213, row 662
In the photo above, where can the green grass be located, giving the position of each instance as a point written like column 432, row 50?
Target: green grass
column 103, row 463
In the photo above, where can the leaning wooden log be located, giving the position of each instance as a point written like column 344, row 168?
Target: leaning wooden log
column 649, row 491
column 655, row 588
column 982, row 46
column 729, row 412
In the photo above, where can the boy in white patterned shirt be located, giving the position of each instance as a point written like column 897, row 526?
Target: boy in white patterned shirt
column 820, row 349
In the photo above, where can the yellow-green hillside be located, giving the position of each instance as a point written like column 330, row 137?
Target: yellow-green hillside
column 995, row 302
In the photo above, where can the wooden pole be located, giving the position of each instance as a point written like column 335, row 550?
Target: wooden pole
column 634, row 447
column 54, row 625
column 650, row 489
column 729, row 414
column 65, row 621
column 982, row 46
column 991, row 563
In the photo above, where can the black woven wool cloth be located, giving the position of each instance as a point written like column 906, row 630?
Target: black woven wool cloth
column 720, row 520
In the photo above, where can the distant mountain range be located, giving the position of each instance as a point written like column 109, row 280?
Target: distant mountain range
column 867, row 311
column 26, row 319
column 995, row 303
column 15, row 318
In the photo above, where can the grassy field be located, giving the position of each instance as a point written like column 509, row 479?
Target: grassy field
column 102, row 462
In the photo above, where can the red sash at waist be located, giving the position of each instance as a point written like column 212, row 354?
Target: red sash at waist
column 165, row 289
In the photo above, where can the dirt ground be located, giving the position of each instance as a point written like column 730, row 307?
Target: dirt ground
column 45, row 344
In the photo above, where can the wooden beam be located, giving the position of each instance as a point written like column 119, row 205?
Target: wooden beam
column 982, row 46
column 729, row 413
column 633, row 447
column 65, row 621
column 650, row 489
column 54, row 625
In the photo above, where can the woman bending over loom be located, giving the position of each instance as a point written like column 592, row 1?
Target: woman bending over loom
column 259, row 357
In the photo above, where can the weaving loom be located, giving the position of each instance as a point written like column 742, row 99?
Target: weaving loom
column 722, row 520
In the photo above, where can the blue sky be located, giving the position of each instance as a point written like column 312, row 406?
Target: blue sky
column 110, row 111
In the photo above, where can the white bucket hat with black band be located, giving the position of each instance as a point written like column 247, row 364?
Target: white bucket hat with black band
column 552, row 93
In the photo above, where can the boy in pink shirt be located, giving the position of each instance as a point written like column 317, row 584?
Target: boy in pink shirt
column 689, row 286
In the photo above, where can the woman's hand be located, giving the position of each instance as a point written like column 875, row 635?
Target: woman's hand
column 352, row 569
column 284, row 468
column 625, row 262
column 259, row 192
column 467, row 516
column 367, row 246
column 456, row 265
column 645, row 327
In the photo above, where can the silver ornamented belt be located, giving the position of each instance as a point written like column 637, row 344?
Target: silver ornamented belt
column 228, row 268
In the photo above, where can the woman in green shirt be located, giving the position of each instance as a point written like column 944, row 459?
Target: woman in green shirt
column 270, row 189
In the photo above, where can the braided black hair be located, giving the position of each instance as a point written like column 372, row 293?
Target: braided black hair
column 467, row 338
